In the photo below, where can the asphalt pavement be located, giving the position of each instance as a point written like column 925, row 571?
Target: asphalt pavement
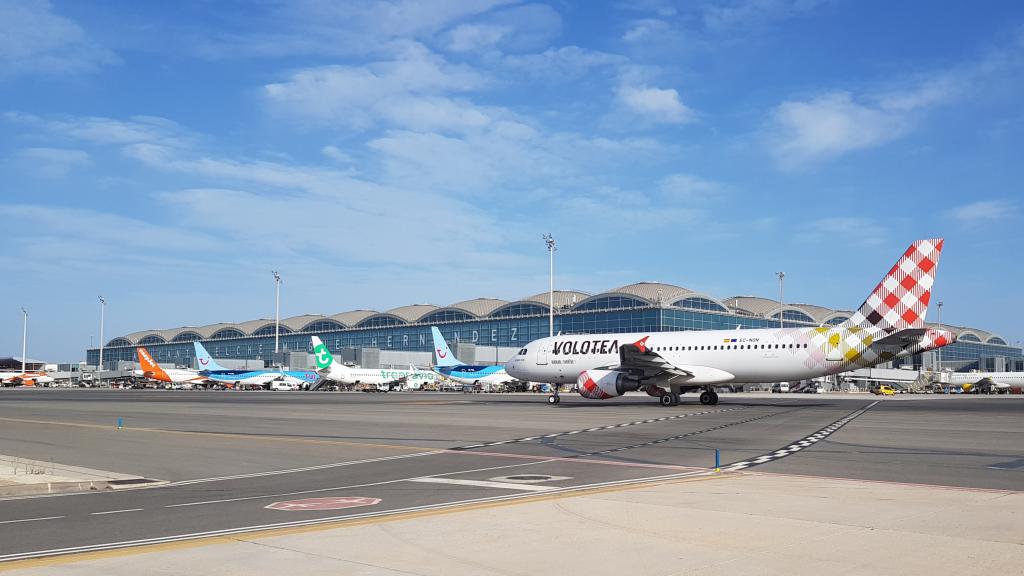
column 239, row 462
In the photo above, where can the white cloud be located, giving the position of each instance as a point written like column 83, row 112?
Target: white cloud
column 984, row 210
column 328, row 27
column 472, row 37
column 52, row 162
column 564, row 63
column 644, row 29
column 100, row 130
column 830, row 125
column 359, row 97
column 726, row 17
column 336, row 154
column 658, row 104
column 35, row 40
column 686, row 187
column 848, row 230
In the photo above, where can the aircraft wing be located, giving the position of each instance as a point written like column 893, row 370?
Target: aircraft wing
column 648, row 365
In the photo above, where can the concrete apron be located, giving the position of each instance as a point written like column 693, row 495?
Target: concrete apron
column 25, row 477
column 741, row 523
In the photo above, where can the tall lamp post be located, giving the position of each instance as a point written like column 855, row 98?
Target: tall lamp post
column 782, row 276
column 277, row 310
column 24, row 336
column 549, row 240
column 103, row 311
column 938, row 351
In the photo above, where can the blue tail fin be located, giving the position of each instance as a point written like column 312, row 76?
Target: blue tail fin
column 206, row 362
column 441, row 350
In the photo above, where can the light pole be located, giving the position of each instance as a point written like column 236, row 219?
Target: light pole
column 782, row 276
column 549, row 240
column 103, row 311
column 24, row 336
column 277, row 309
column 938, row 351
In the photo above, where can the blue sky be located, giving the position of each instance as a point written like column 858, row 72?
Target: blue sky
column 383, row 153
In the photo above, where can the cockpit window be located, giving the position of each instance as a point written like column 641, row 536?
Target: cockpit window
column 522, row 352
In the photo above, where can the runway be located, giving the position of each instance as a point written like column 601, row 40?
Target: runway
column 228, row 456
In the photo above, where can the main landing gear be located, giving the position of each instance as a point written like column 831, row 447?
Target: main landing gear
column 709, row 397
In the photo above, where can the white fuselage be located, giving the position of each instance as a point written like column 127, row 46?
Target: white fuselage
column 373, row 376
column 14, row 377
column 256, row 378
column 1000, row 379
column 713, row 356
column 175, row 375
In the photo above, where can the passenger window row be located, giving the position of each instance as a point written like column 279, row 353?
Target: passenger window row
column 729, row 347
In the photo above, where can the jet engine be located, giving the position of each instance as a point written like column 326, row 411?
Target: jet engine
column 601, row 384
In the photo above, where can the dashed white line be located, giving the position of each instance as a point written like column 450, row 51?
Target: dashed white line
column 801, row 444
column 116, row 511
column 598, row 428
column 30, row 519
column 484, row 484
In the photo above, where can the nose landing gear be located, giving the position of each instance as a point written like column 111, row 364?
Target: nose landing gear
column 554, row 398
column 709, row 397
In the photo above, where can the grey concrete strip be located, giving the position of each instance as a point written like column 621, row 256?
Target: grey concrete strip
column 734, row 524
column 25, row 477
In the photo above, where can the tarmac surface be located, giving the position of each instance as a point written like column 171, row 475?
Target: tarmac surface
column 244, row 462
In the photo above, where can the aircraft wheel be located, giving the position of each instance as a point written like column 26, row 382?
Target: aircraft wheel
column 707, row 399
column 553, row 399
column 666, row 399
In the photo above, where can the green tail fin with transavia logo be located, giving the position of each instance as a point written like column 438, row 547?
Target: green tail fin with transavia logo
column 321, row 354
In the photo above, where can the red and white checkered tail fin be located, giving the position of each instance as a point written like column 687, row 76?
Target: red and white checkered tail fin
column 900, row 301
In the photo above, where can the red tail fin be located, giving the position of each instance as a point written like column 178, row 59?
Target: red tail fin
column 900, row 300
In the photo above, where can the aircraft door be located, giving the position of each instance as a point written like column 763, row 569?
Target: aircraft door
column 542, row 354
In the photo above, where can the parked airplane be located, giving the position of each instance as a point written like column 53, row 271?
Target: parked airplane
column 448, row 365
column 24, row 378
column 150, row 370
column 987, row 382
column 263, row 378
column 338, row 372
column 889, row 324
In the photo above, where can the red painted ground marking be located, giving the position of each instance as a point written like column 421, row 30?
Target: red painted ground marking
column 332, row 503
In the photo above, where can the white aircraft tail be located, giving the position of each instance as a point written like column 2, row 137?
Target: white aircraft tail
column 441, row 350
column 324, row 360
column 206, row 362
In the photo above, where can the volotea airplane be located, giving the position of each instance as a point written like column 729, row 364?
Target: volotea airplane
column 889, row 324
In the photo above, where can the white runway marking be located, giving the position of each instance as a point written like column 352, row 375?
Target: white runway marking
column 799, row 444
column 335, row 488
column 245, row 529
column 484, row 484
column 30, row 519
column 116, row 511
column 597, row 429
column 304, row 469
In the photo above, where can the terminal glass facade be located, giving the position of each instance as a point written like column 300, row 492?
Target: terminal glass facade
column 510, row 326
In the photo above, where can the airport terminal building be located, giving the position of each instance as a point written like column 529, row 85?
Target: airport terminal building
column 489, row 330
